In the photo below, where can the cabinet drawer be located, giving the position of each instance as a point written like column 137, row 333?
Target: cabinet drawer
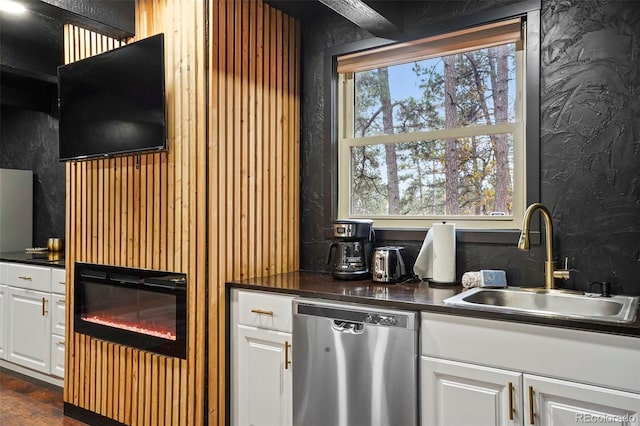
column 57, row 356
column 265, row 310
column 29, row 277
column 58, row 281
column 57, row 309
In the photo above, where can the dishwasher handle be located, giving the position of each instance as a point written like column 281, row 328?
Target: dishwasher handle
column 364, row 315
column 347, row 327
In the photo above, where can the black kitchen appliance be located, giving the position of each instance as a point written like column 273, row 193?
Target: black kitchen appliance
column 350, row 257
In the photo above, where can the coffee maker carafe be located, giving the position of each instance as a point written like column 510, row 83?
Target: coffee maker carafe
column 350, row 256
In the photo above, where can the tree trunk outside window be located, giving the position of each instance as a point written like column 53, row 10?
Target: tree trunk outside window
column 451, row 145
column 500, row 83
column 390, row 149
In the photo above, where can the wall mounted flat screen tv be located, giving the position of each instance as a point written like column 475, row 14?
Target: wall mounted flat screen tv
column 113, row 103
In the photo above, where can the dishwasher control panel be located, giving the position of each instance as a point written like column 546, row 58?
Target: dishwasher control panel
column 372, row 317
column 380, row 319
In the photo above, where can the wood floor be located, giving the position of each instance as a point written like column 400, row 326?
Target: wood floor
column 25, row 401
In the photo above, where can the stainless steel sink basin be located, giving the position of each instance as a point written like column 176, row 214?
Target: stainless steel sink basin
column 551, row 303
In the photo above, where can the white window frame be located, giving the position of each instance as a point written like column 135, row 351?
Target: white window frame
column 517, row 128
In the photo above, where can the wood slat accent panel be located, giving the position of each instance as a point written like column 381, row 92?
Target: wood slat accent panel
column 253, row 183
column 221, row 204
column 144, row 211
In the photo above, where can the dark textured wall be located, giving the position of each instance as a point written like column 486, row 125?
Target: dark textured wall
column 590, row 135
column 590, row 140
column 29, row 141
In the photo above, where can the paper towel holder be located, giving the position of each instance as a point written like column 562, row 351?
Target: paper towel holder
column 444, row 254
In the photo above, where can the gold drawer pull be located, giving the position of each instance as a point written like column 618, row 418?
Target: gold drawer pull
column 61, row 343
column 44, row 307
column 531, row 413
column 62, row 282
column 261, row 312
column 510, row 401
column 287, row 361
column 61, row 301
column 25, row 277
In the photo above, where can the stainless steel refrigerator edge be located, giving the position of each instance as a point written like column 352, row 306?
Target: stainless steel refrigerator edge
column 16, row 209
column 354, row 365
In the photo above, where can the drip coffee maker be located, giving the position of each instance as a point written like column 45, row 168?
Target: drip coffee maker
column 350, row 257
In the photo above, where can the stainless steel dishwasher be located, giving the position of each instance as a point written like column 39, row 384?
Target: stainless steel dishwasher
column 354, row 365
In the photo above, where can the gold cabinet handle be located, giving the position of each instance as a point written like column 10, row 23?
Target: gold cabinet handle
column 511, row 401
column 261, row 312
column 61, row 301
column 61, row 343
column 62, row 282
column 44, row 307
column 25, row 277
column 531, row 413
column 287, row 361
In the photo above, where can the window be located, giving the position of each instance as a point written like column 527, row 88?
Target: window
column 434, row 129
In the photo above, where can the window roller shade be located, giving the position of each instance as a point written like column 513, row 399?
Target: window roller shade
column 473, row 38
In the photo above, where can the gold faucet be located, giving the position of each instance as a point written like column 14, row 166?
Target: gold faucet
column 550, row 272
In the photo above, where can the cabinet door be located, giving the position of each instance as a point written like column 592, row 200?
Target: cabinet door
column 3, row 322
column 29, row 329
column 263, row 378
column 460, row 394
column 557, row 402
column 57, row 355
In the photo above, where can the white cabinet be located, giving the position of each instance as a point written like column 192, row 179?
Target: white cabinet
column 461, row 394
column 58, row 281
column 32, row 320
column 492, row 396
column 476, row 371
column 3, row 321
column 264, row 380
column 3, row 311
column 29, row 332
column 555, row 402
column 58, row 321
column 57, row 356
column 261, row 380
column 29, row 277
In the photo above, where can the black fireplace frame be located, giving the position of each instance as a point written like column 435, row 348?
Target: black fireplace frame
column 139, row 279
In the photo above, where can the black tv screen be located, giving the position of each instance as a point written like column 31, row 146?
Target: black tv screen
column 113, row 103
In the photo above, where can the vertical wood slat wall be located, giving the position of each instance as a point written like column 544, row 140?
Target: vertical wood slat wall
column 230, row 175
column 253, row 182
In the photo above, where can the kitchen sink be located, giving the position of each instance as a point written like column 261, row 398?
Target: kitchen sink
column 550, row 303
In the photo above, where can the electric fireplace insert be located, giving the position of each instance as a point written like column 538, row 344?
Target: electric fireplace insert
column 141, row 308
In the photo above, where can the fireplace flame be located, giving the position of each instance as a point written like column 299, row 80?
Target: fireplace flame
column 135, row 327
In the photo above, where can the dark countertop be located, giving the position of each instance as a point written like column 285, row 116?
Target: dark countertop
column 417, row 296
column 53, row 259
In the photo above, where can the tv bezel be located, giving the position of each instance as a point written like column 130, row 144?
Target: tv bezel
column 163, row 147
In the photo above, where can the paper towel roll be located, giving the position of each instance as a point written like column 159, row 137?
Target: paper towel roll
column 444, row 252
